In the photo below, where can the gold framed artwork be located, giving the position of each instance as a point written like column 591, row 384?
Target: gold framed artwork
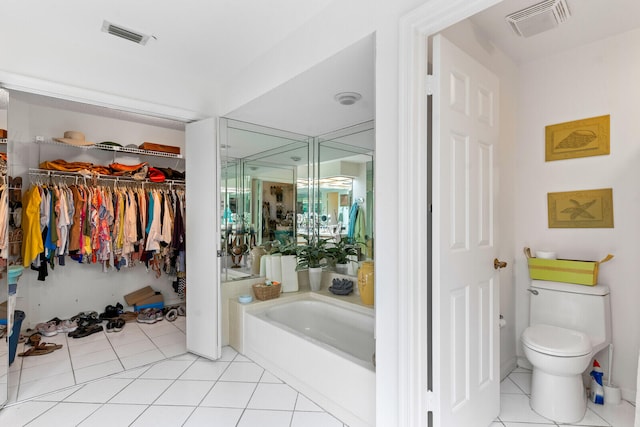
column 579, row 138
column 581, row 209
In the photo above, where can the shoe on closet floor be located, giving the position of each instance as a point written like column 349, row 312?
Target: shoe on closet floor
column 85, row 331
column 111, row 312
column 118, row 324
column 48, row 329
column 67, row 325
column 149, row 315
column 87, row 318
column 115, row 325
column 129, row 316
column 171, row 314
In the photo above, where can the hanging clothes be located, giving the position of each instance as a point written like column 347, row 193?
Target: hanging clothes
column 32, row 243
column 353, row 213
column 100, row 224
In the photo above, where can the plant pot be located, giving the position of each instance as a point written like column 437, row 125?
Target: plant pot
column 353, row 266
column 366, row 282
column 264, row 260
column 315, row 278
column 342, row 268
column 274, row 268
column 289, row 273
column 256, row 255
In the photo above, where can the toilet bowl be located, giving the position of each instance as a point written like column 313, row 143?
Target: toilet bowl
column 559, row 357
column 568, row 325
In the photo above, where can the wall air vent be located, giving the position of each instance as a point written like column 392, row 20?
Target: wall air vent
column 124, row 33
column 539, row 17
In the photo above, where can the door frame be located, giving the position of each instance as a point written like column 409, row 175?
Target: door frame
column 414, row 166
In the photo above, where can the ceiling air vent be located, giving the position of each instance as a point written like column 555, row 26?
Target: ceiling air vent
column 539, row 17
column 124, row 33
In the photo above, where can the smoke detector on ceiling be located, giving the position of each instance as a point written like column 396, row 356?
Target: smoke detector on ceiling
column 539, row 18
column 347, row 98
column 125, row 33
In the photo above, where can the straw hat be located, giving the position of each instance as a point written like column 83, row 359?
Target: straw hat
column 73, row 137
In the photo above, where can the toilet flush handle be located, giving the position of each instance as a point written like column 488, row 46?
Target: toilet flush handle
column 533, row 291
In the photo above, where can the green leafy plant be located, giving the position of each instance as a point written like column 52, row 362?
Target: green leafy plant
column 340, row 251
column 288, row 248
column 315, row 253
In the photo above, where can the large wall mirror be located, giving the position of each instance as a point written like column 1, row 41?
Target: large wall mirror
column 4, row 303
column 259, row 171
column 344, row 186
column 298, row 162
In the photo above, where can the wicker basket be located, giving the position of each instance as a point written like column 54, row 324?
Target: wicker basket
column 264, row 292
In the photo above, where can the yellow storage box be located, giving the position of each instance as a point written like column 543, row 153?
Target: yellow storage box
column 564, row 270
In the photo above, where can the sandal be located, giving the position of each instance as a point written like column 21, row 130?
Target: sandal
column 129, row 316
column 34, row 339
column 85, row 332
column 41, row 349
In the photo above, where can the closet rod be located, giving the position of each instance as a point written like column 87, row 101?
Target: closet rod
column 115, row 179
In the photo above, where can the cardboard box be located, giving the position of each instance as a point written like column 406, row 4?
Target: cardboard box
column 155, row 301
column 140, row 295
column 565, row 270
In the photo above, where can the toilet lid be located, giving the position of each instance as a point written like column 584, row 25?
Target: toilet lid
column 556, row 341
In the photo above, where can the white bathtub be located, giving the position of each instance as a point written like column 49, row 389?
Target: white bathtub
column 319, row 345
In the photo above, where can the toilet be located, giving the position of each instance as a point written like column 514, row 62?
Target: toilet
column 568, row 325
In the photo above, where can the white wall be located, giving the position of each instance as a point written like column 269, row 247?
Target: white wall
column 72, row 288
column 596, row 79
column 338, row 26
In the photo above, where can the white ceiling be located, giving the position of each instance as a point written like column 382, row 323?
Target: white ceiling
column 305, row 104
column 202, row 44
column 590, row 20
column 198, row 45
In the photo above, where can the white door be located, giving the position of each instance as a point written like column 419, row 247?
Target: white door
column 466, row 355
column 203, row 239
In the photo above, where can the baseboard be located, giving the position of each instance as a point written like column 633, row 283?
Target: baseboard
column 507, row 366
column 629, row 395
column 524, row 363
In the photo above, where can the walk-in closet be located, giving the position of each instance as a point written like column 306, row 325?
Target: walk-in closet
column 96, row 212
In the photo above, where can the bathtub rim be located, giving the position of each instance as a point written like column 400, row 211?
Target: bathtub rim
column 362, row 378
column 258, row 305
column 261, row 314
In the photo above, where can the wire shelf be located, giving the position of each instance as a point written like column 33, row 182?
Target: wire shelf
column 49, row 141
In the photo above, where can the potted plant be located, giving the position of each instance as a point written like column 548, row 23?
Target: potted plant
column 287, row 256
column 313, row 256
column 342, row 252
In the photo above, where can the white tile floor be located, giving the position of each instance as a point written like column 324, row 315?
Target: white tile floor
column 85, row 359
column 102, row 381
column 516, row 412
column 184, row 390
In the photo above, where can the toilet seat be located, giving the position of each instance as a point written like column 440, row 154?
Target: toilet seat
column 556, row 341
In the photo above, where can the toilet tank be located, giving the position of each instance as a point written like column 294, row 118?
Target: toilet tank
column 578, row 307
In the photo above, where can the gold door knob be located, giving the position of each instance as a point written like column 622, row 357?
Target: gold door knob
column 497, row 264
